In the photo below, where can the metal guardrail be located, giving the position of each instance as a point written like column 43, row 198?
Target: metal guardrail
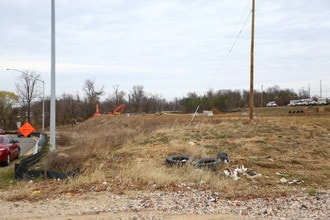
column 24, row 165
column 22, row 171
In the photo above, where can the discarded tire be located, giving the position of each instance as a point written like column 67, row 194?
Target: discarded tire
column 208, row 163
column 212, row 163
column 205, row 163
column 223, row 157
column 177, row 160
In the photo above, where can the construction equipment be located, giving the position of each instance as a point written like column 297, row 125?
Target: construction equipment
column 120, row 107
column 97, row 111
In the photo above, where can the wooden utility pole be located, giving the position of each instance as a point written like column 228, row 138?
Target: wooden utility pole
column 261, row 95
column 251, row 103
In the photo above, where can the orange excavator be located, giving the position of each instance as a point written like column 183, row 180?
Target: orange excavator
column 119, row 107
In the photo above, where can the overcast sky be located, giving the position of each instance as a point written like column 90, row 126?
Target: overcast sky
column 170, row 47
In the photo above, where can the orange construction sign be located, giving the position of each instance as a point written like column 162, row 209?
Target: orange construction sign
column 26, row 129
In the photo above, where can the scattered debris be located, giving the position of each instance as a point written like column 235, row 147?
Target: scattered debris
column 191, row 144
column 238, row 172
column 208, row 113
column 284, row 180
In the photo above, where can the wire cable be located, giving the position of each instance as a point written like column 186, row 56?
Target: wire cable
column 231, row 46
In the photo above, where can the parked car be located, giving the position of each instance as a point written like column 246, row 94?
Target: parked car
column 9, row 149
column 2, row 131
column 271, row 104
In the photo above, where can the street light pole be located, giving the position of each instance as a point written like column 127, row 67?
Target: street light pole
column 43, row 96
column 52, row 122
column 43, row 106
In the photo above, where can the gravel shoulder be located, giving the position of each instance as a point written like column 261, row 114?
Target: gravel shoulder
column 192, row 204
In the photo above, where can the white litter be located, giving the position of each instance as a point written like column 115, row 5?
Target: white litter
column 239, row 172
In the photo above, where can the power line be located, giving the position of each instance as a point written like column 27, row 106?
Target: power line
column 239, row 33
column 231, row 44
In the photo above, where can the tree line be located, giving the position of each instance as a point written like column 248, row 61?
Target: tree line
column 26, row 104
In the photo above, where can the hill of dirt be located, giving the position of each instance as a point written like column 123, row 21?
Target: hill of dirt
column 284, row 154
column 288, row 153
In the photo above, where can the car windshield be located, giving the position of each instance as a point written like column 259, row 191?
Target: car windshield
column 9, row 139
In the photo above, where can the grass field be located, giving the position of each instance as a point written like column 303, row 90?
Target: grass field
column 290, row 152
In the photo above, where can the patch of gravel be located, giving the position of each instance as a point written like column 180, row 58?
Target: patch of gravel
column 192, row 204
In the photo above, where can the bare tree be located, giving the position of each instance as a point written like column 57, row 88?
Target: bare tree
column 118, row 95
column 27, row 89
column 137, row 95
column 92, row 96
column 7, row 103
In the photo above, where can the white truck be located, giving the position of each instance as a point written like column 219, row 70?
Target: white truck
column 322, row 101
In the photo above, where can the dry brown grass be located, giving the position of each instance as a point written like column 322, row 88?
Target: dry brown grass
column 123, row 153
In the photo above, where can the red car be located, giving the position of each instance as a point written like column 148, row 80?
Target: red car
column 2, row 131
column 9, row 149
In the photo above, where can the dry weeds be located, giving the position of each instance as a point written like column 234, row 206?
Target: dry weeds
column 124, row 153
